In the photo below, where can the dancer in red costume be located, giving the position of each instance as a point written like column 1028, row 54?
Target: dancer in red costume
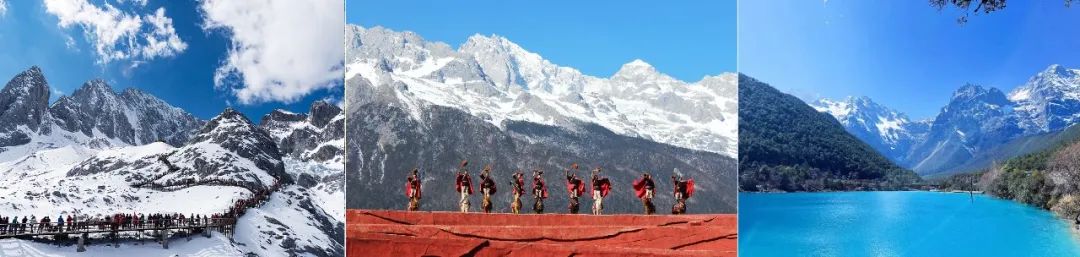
column 600, row 188
column 575, row 187
column 645, row 187
column 412, row 190
column 463, row 185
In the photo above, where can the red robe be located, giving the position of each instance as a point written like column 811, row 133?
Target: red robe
column 639, row 187
column 408, row 189
column 543, row 188
column 605, row 187
column 458, row 183
column 689, row 188
column 580, row 186
column 520, row 185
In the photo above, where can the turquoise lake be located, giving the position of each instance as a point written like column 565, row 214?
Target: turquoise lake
column 897, row 224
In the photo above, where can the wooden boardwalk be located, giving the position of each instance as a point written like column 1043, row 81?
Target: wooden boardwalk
column 161, row 225
column 53, row 229
column 162, row 229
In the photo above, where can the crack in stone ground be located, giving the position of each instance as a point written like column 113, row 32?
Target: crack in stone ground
column 397, row 233
column 388, row 219
column 476, row 249
column 608, row 236
column 727, row 236
column 672, row 223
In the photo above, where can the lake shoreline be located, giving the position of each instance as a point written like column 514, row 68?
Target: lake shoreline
column 846, row 191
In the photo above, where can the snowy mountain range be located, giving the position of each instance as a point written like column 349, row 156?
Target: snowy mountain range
column 975, row 121
column 97, row 152
column 890, row 132
column 419, row 104
column 494, row 78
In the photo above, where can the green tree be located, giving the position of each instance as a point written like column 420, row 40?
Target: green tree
column 983, row 6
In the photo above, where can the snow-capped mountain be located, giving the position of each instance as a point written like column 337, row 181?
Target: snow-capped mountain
column 313, row 149
column 318, row 135
column 97, row 152
column 493, row 78
column 25, row 104
column 1050, row 100
column 133, row 117
column 886, row 130
column 94, row 116
column 419, row 104
column 976, row 120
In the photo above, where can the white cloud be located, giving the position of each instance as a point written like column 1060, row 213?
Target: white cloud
column 136, row 2
column 281, row 50
column 70, row 43
column 3, row 7
column 119, row 35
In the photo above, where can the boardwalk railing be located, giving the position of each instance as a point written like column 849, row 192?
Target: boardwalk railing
column 160, row 225
column 92, row 227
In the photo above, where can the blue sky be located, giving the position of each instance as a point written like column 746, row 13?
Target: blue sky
column 903, row 54
column 29, row 35
column 684, row 39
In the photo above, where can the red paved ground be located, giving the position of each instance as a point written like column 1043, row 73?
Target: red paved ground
column 399, row 233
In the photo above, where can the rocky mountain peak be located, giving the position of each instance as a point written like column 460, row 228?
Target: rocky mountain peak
column 134, row 117
column 640, row 75
column 507, row 63
column 221, row 127
column 840, row 109
column 637, row 66
column 972, row 92
column 478, row 42
column 318, row 135
column 24, row 101
column 279, row 115
column 639, row 71
column 234, row 132
column 862, row 101
column 95, row 91
column 322, row 112
column 1052, row 83
column 352, row 36
column 34, row 69
column 27, row 82
column 726, row 85
column 228, row 119
column 1058, row 70
column 97, row 85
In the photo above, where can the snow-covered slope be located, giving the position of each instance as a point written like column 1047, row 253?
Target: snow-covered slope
column 79, row 181
column 99, row 157
column 493, row 78
column 317, row 136
column 313, row 146
column 229, row 150
column 1050, row 100
column 890, row 132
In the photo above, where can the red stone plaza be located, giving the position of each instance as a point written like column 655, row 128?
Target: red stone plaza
column 400, row 233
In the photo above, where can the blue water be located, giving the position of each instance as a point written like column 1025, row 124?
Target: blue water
column 897, row 224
